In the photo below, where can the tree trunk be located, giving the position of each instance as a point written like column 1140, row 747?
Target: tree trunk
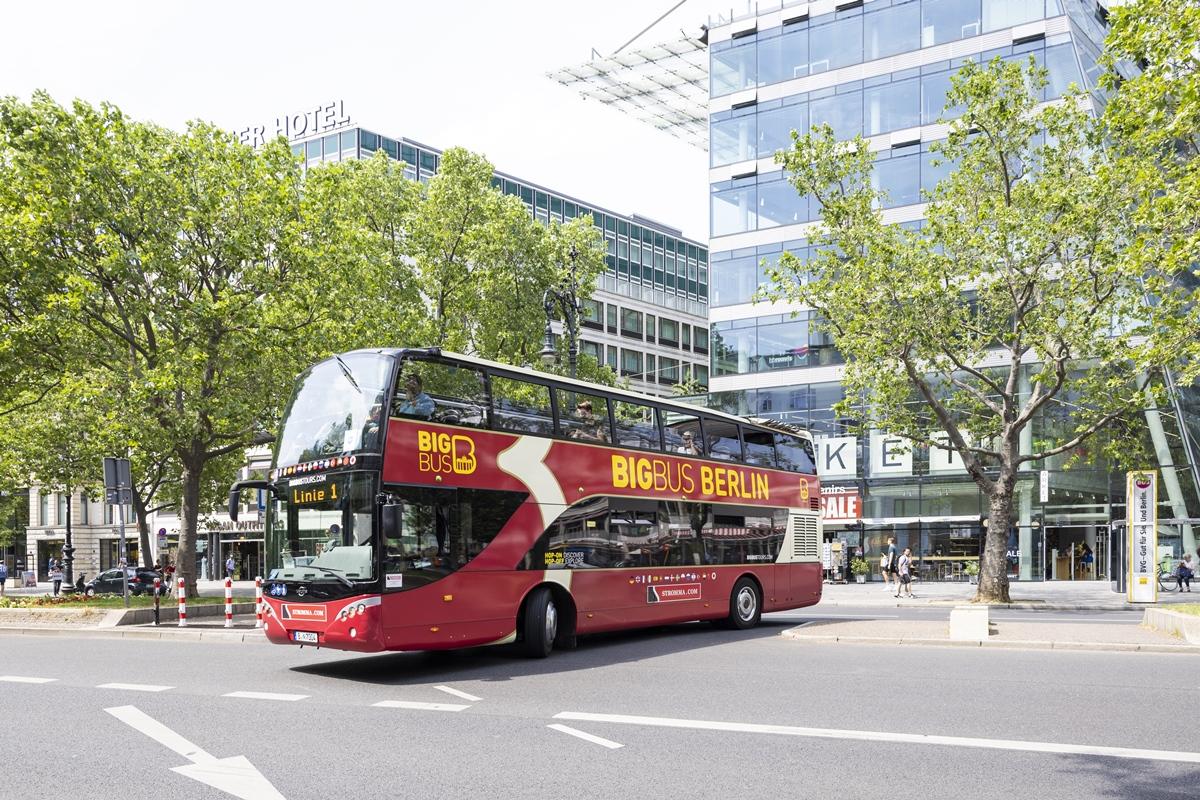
column 993, row 564
column 189, row 512
column 143, row 525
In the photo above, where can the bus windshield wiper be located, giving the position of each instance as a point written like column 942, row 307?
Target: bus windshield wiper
column 346, row 371
column 337, row 573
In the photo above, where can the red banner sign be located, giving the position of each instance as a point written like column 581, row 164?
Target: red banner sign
column 840, row 505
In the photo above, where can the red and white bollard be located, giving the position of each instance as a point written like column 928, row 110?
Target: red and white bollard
column 229, row 602
column 181, row 596
column 258, row 602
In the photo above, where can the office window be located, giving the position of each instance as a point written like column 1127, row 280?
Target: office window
column 892, row 107
column 631, row 363
column 591, row 313
column 1063, row 69
column 732, row 140
column 734, row 281
column 686, row 330
column 891, row 30
column 651, row 368
column 611, row 357
column 783, row 58
column 948, row 20
column 842, row 112
column 733, row 211
column 668, row 331
column 349, row 143
column 775, row 127
column 700, row 340
column 999, row 14
column 700, row 372
column 900, row 178
column 651, row 327
column 780, row 204
column 835, row 44
column 611, row 318
column 668, row 370
column 313, row 150
column 591, row 349
column 733, row 69
column 631, row 323
column 392, row 148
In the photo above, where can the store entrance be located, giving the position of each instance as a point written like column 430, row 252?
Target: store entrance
column 1075, row 552
column 247, row 558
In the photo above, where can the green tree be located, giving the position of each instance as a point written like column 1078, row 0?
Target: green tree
column 175, row 263
column 1152, row 124
column 1018, row 297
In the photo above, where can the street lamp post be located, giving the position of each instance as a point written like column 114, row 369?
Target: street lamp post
column 565, row 296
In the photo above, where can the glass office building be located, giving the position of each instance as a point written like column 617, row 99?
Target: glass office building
column 881, row 68
column 648, row 319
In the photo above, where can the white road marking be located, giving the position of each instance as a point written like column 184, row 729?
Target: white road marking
column 266, row 696
column 847, row 616
column 458, row 693
column 234, row 775
column 135, row 687
column 885, row 736
column 419, row 706
column 587, row 737
column 25, row 679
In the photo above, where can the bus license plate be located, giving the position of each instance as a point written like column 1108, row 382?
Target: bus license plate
column 305, row 636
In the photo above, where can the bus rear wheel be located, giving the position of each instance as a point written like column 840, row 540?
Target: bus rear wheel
column 539, row 623
column 745, row 605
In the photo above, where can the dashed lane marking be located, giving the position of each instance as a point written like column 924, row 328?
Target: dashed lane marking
column 135, row 687
column 458, row 693
column 419, row 706
column 587, row 737
column 25, row 679
column 885, row 736
column 266, row 696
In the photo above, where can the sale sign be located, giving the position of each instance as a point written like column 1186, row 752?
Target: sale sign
column 839, row 504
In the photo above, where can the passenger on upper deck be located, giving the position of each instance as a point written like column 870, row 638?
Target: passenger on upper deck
column 417, row 403
column 689, row 446
column 589, row 427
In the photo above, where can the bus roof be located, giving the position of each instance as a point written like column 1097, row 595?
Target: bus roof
column 595, row 388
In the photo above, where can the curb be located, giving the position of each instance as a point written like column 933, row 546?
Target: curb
column 1018, row 606
column 1014, row 644
column 253, row 635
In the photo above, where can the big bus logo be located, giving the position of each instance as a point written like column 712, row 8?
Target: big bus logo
column 445, row 453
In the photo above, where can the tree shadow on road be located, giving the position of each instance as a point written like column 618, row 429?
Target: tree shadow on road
column 1129, row 779
column 503, row 663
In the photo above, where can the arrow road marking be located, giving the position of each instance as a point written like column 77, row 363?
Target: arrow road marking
column 234, row 775
column 884, row 736
column 458, row 693
column 587, row 737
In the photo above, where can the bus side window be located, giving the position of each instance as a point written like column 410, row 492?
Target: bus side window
column 637, row 426
column 721, row 439
column 794, row 453
column 457, row 393
column 760, row 447
column 522, row 406
column 681, row 434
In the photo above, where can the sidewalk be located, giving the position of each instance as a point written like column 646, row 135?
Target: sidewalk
column 1049, row 595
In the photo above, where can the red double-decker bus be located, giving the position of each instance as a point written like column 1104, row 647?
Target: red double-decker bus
column 424, row 500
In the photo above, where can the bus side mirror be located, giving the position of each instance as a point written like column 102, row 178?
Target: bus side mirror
column 392, row 516
column 234, row 497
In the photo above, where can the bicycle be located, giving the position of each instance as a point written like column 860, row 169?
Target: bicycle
column 1167, row 581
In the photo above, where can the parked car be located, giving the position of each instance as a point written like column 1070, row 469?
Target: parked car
column 141, row 580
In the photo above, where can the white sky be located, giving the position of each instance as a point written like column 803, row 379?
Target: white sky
column 453, row 72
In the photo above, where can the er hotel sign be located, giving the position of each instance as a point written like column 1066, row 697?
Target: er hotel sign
column 1142, row 497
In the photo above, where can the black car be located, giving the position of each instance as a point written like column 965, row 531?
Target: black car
column 141, row 581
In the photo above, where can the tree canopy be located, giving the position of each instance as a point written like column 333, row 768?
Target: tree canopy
column 1019, row 296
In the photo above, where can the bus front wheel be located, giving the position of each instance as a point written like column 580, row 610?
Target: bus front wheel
column 540, row 623
column 745, row 605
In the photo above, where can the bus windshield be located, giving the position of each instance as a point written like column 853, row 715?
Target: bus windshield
column 337, row 408
column 323, row 528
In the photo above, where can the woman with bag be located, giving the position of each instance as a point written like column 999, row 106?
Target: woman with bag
column 904, row 568
column 1183, row 573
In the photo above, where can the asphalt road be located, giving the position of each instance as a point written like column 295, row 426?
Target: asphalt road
column 850, row 721
column 1131, row 617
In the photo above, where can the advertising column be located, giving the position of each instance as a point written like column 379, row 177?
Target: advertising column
column 1142, row 497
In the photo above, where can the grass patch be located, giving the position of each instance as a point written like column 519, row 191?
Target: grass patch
column 100, row 601
column 1185, row 608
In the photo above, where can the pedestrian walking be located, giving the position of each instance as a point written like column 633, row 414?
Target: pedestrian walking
column 56, row 578
column 229, row 565
column 1184, row 573
column 904, row 571
column 890, row 565
column 3, row 576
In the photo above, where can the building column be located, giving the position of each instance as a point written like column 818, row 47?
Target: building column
column 1166, row 467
